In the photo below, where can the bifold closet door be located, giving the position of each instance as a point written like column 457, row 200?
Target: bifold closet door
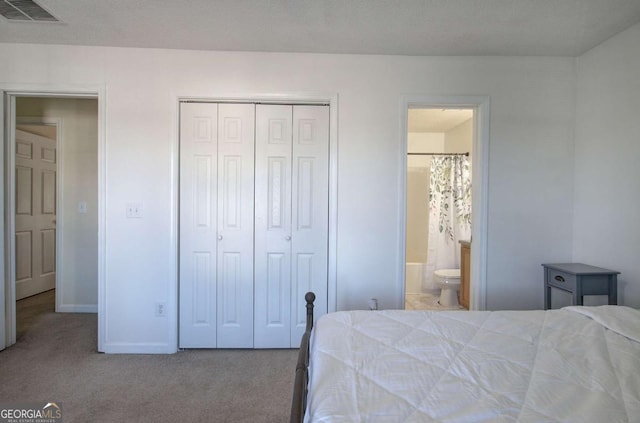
column 216, row 225
column 253, row 222
column 198, row 222
column 273, row 226
column 310, row 217
column 236, row 134
column 292, row 147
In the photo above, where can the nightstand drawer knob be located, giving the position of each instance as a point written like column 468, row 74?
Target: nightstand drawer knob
column 559, row 278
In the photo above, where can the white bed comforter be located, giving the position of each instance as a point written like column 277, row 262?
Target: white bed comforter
column 577, row 364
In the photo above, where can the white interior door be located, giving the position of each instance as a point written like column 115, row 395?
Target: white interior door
column 310, row 217
column 35, row 219
column 236, row 133
column 273, row 226
column 198, row 224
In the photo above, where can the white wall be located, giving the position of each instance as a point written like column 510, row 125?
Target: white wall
column 417, row 214
column 460, row 139
column 607, row 154
column 423, row 142
column 77, row 281
column 530, row 156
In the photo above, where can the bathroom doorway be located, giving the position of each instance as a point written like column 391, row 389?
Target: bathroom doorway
column 438, row 196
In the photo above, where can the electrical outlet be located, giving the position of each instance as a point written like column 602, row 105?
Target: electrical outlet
column 161, row 309
column 134, row 210
column 373, row 304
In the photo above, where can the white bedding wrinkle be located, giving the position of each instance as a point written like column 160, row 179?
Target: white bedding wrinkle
column 502, row 366
column 620, row 319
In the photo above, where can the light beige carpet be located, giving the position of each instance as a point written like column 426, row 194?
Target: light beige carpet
column 55, row 360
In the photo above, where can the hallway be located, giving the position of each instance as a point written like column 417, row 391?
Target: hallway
column 32, row 309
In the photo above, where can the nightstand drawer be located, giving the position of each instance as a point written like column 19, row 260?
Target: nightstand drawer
column 561, row 280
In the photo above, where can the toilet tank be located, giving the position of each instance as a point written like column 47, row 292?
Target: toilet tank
column 447, row 275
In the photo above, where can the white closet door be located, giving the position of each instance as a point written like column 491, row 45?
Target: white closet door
column 253, row 216
column 198, row 199
column 236, row 133
column 310, row 220
column 273, row 227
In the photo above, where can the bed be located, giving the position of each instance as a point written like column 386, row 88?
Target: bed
column 576, row 364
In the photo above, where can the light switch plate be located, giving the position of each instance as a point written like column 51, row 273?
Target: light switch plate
column 134, row 210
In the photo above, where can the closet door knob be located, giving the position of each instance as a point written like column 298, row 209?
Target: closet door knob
column 288, row 237
column 219, row 237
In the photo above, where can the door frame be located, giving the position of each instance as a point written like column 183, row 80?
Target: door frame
column 330, row 99
column 9, row 92
column 480, row 178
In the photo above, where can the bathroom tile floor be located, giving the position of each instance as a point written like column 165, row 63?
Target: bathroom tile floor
column 425, row 302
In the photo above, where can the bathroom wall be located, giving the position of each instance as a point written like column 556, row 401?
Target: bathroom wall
column 417, row 213
column 460, row 138
column 418, row 192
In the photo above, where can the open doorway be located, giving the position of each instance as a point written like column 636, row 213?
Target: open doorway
column 475, row 258
column 52, row 207
column 438, row 210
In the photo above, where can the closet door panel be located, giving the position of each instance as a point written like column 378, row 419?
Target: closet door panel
column 198, row 193
column 236, row 126
column 310, row 212
column 273, row 226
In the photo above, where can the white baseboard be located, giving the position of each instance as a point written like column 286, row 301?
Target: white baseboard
column 77, row 308
column 143, row 348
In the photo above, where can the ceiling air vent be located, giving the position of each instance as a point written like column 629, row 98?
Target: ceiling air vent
column 25, row 11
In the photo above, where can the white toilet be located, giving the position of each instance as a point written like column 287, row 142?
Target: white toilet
column 448, row 280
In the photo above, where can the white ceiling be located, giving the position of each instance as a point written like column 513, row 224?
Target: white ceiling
column 405, row 27
column 436, row 120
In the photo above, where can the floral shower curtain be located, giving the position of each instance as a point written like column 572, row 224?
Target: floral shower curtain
column 449, row 213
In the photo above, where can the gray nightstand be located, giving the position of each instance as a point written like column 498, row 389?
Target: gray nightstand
column 579, row 279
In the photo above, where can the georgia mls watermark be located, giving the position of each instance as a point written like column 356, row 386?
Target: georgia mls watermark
column 31, row 412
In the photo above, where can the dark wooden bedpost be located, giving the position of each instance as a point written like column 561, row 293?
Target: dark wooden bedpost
column 299, row 403
column 309, row 297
